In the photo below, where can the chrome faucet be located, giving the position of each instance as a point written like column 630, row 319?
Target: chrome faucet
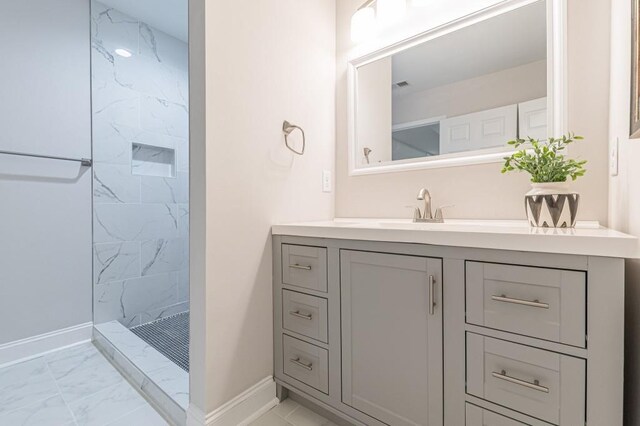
column 426, row 216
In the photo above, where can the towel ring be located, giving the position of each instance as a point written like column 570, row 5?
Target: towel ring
column 287, row 129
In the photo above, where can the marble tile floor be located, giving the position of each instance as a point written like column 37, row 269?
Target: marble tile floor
column 77, row 386
column 74, row 386
column 290, row 413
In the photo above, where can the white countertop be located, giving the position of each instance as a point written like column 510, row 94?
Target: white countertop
column 588, row 238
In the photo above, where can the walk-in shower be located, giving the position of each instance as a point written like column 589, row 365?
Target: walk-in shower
column 141, row 189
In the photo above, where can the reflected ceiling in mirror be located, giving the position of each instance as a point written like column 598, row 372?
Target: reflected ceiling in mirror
column 462, row 93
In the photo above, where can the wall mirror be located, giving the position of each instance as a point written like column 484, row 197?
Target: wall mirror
column 454, row 95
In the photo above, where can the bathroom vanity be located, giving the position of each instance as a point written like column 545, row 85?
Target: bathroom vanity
column 461, row 323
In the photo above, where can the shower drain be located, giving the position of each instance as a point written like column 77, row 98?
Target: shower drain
column 169, row 336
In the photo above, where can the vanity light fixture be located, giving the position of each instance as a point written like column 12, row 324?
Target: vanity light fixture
column 366, row 19
column 390, row 11
column 363, row 22
column 123, row 52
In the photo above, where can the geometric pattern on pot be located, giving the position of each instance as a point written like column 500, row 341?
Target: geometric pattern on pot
column 552, row 211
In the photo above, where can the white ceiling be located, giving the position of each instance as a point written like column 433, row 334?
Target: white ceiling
column 515, row 38
column 169, row 16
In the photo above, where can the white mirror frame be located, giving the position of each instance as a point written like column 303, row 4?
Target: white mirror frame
column 556, row 85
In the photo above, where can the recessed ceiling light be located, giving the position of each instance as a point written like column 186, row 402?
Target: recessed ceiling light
column 123, row 52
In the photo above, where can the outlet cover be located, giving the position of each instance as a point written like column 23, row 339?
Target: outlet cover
column 326, row 181
column 613, row 158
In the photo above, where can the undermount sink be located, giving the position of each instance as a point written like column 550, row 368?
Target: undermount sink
column 399, row 224
column 470, row 225
column 447, row 224
column 410, row 224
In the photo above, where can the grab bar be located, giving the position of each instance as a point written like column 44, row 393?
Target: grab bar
column 85, row 162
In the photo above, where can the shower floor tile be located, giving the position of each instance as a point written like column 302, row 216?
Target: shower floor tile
column 53, row 390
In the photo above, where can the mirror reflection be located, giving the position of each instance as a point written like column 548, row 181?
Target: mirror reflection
column 463, row 93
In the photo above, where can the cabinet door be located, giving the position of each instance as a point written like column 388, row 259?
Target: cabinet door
column 392, row 364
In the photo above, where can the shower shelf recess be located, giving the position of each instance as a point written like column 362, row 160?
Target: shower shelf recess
column 150, row 160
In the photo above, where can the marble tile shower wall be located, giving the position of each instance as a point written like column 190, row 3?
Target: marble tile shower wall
column 141, row 223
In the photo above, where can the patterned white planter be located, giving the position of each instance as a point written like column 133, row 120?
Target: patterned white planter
column 551, row 205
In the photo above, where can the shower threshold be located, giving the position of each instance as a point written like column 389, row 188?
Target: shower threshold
column 157, row 377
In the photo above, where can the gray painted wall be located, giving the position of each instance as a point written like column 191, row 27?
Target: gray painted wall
column 45, row 231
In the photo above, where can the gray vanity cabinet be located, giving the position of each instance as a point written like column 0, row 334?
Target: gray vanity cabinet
column 392, row 337
column 385, row 333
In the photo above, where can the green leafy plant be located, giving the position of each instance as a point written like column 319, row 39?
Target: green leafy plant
column 544, row 160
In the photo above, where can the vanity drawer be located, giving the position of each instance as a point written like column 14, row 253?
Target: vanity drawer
column 304, row 314
column 528, row 301
column 541, row 384
column 306, row 362
column 476, row 416
column 304, row 266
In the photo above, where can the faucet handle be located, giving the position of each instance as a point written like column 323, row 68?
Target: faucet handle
column 438, row 215
column 416, row 212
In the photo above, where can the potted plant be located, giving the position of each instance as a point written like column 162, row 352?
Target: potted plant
column 550, row 203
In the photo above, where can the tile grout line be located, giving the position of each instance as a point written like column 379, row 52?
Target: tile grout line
column 55, row 381
column 6, row 413
column 93, row 394
column 78, row 372
column 123, row 380
column 292, row 411
column 326, row 422
column 130, row 412
column 2, row 414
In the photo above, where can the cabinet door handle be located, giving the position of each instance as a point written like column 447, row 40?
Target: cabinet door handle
column 432, row 294
column 296, row 361
column 535, row 385
column 296, row 266
column 299, row 315
column 533, row 304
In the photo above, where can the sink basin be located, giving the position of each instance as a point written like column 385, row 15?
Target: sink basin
column 399, row 225
column 422, row 226
column 449, row 224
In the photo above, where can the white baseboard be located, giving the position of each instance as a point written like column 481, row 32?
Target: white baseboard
column 22, row 350
column 241, row 410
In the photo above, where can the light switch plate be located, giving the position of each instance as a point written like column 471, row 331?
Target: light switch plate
column 613, row 158
column 326, row 181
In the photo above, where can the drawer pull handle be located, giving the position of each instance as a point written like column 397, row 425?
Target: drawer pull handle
column 432, row 294
column 535, row 385
column 296, row 266
column 296, row 361
column 533, row 304
column 308, row 317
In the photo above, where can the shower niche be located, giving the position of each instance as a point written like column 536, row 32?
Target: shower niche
column 148, row 160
